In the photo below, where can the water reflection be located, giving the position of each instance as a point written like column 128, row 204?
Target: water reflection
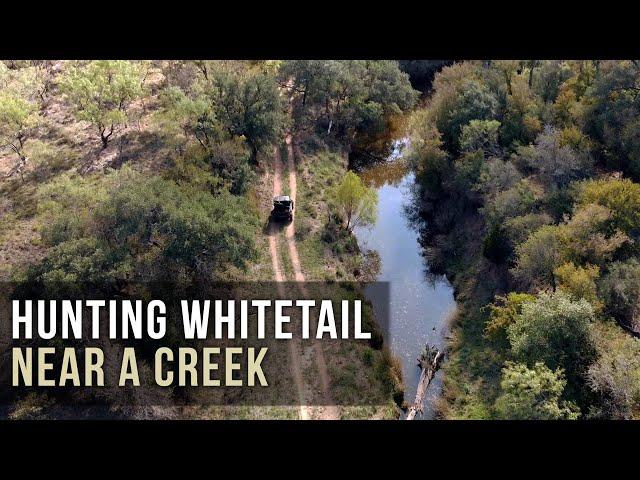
column 420, row 303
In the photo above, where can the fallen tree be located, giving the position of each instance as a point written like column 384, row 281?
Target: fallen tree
column 429, row 361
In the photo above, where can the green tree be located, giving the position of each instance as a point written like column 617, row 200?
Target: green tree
column 620, row 291
column 517, row 229
column 474, row 101
column 350, row 96
column 184, row 227
column 513, row 202
column 497, row 176
column 19, row 111
column 588, row 236
column 521, row 122
column 141, row 227
column 533, row 394
column 427, row 152
column 356, row 203
column 621, row 196
column 307, row 77
column 549, row 77
column 101, row 92
column 613, row 108
column 247, row 105
column 81, row 261
column 579, row 282
column 554, row 159
column 190, row 115
column 616, row 373
column 17, row 117
column 481, row 135
column 503, row 312
column 555, row 330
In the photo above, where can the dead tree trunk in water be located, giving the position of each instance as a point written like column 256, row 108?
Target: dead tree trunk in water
column 429, row 361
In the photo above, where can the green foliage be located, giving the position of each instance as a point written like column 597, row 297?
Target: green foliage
column 356, row 203
column 616, row 373
column 612, row 113
column 467, row 173
column 16, row 116
column 631, row 146
column 247, row 105
column 495, row 245
column 101, row 92
column 503, row 312
column 82, row 260
column 520, row 123
column 621, row 196
column 145, row 227
column 538, row 258
column 555, row 330
column 49, row 159
column 620, row 291
column 66, row 207
column 533, row 394
column 348, row 96
column 188, row 227
column 579, row 282
column 427, row 154
column 497, row 176
column 232, row 110
column 187, row 114
column 554, row 159
column 582, row 238
column 473, row 101
column 550, row 76
column 588, row 237
column 517, row 229
column 19, row 112
column 529, row 146
column 516, row 201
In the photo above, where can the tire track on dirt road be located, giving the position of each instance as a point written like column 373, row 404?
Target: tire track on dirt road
column 329, row 411
column 279, row 278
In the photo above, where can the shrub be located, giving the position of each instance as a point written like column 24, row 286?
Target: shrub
column 616, row 373
column 533, row 394
column 481, row 135
column 503, row 312
column 554, row 329
column 517, row 229
column 579, row 282
column 539, row 256
column 620, row 291
column 621, row 196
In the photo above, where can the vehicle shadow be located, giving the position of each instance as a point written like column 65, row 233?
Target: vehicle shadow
column 273, row 226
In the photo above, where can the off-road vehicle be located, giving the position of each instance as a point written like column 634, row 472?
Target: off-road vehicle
column 282, row 208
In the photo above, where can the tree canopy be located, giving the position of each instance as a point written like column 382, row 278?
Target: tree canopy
column 533, row 394
column 356, row 202
column 101, row 92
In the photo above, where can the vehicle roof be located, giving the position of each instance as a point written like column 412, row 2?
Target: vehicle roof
column 281, row 198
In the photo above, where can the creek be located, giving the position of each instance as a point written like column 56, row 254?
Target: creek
column 419, row 303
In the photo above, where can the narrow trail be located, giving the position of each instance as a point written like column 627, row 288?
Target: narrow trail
column 328, row 411
column 279, row 278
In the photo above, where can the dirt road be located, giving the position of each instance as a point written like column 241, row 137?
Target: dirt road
column 328, row 411
column 279, row 278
